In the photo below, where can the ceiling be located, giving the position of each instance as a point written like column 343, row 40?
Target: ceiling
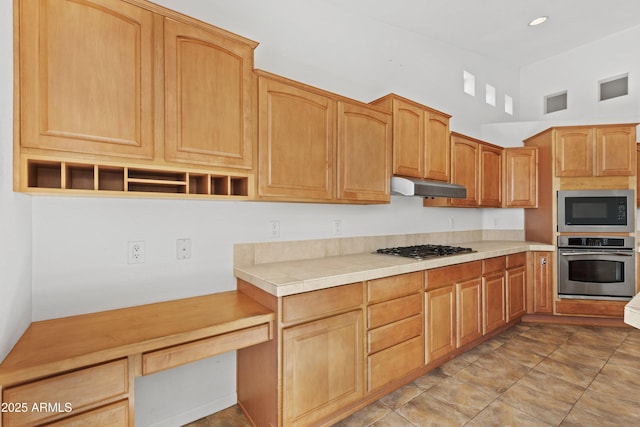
column 498, row 28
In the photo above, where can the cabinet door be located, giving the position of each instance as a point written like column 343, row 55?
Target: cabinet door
column 493, row 294
column 574, row 152
column 542, row 282
column 208, row 97
column 440, row 318
column 469, row 311
column 516, row 292
column 522, row 177
column 437, row 147
column 86, row 77
column 490, row 176
column 296, row 139
column 364, row 153
column 323, row 367
column 615, row 151
column 464, row 169
column 408, row 140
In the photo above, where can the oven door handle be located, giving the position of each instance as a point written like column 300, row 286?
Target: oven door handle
column 629, row 253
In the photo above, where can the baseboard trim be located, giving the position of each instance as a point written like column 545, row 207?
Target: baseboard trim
column 198, row 412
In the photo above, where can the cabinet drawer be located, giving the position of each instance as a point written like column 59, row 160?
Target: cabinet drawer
column 79, row 389
column 395, row 362
column 394, row 333
column 317, row 304
column 516, row 260
column 491, row 265
column 115, row 415
column 171, row 357
column 391, row 311
column 443, row 276
column 393, row 287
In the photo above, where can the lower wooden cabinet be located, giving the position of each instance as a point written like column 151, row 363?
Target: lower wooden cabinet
column 541, row 271
column 440, row 319
column 493, row 294
column 323, row 367
column 516, row 286
column 469, row 311
column 114, row 415
column 342, row 347
column 69, row 394
column 395, row 338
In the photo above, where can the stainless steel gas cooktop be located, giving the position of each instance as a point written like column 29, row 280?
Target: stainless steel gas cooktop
column 424, row 251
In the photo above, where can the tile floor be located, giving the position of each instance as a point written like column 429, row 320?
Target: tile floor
column 531, row 375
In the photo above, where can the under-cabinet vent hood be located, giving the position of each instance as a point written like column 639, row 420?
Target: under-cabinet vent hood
column 423, row 188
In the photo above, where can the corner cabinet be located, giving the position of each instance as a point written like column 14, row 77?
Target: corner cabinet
column 105, row 85
column 420, row 139
column 317, row 146
column 477, row 166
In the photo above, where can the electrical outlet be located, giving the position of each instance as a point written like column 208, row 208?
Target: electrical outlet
column 337, row 227
column 135, row 252
column 275, row 229
column 183, row 249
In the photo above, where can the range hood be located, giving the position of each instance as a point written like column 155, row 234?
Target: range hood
column 423, row 188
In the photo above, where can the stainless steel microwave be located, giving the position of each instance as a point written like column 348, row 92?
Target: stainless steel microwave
column 596, row 211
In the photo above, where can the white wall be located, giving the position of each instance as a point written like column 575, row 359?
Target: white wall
column 15, row 209
column 578, row 72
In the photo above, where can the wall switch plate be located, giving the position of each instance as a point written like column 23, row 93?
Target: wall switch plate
column 183, row 249
column 135, row 252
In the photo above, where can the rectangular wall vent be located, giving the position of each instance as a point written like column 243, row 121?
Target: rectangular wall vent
column 555, row 102
column 614, row 87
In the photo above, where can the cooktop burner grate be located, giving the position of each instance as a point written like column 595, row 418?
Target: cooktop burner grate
column 424, row 251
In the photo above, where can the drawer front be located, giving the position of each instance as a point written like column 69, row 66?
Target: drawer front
column 78, row 389
column 517, row 260
column 394, row 363
column 443, row 276
column 393, row 287
column 171, row 357
column 115, row 415
column 317, row 304
column 394, row 333
column 491, row 265
column 391, row 311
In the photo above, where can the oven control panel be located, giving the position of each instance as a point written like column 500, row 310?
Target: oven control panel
column 602, row 242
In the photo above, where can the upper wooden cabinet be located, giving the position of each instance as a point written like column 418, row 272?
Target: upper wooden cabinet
column 491, row 179
column 521, row 177
column 465, row 167
column 595, row 151
column 86, row 77
column 364, row 153
column 208, row 97
column 316, row 146
column 106, row 83
column 420, row 139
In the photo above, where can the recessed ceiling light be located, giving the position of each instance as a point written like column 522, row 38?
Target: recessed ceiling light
column 538, row 21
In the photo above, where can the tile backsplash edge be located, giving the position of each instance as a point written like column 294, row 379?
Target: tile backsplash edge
column 266, row 252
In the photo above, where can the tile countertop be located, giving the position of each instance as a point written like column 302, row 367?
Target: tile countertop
column 632, row 312
column 294, row 277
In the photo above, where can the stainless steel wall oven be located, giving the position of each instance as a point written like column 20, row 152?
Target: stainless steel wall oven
column 596, row 267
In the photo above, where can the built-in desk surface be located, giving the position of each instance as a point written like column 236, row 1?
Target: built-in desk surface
column 58, row 345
